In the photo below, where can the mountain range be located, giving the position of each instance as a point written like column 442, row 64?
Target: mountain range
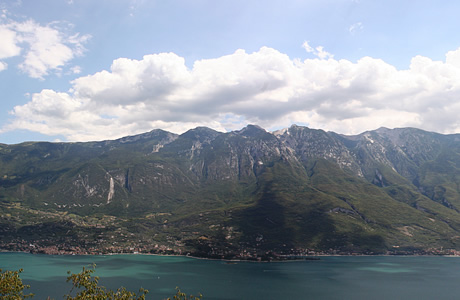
column 243, row 193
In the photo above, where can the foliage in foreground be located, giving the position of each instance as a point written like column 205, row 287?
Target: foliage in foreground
column 84, row 284
column 182, row 296
column 88, row 288
column 11, row 286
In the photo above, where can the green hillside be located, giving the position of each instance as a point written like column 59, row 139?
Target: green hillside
column 241, row 194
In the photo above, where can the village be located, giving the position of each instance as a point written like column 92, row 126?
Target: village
column 248, row 254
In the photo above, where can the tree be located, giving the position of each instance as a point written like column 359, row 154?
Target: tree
column 88, row 288
column 182, row 296
column 11, row 286
column 84, row 284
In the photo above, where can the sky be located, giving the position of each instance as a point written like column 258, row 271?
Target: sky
column 87, row 70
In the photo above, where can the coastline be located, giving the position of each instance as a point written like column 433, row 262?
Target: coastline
column 239, row 260
column 175, row 255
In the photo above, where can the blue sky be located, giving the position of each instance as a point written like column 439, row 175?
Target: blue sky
column 81, row 70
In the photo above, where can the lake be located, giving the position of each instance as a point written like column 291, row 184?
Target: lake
column 345, row 277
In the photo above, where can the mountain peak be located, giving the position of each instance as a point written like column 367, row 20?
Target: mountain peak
column 280, row 132
column 383, row 130
column 154, row 134
column 252, row 131
column 201, row 130
column 201, row 133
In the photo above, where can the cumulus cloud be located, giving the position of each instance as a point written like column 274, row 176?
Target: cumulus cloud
column 44, row 49
column 265, row 87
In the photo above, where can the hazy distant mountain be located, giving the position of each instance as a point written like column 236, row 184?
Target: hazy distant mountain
column 225, row 193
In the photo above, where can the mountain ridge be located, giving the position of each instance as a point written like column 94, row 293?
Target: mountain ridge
column 220, row 194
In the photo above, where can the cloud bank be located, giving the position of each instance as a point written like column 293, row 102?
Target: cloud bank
column 265, row 87
column 43, row 49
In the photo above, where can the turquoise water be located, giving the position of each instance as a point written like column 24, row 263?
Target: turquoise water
column 327, row 278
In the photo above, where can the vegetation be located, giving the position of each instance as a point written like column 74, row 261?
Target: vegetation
column 183, row 296
column 85, row 286
column 11, row 286
column 242, row 194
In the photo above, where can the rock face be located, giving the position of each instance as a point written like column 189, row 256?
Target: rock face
column 295, row 188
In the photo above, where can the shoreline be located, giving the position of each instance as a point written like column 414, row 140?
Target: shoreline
column 230, row 261
column 311, row 257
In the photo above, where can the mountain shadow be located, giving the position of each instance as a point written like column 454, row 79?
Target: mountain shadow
column 264, row 225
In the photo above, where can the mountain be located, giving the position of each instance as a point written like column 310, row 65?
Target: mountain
column 245, row 194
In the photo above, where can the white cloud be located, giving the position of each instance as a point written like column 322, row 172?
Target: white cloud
column 265, row 87
column 75, row 70
column 44, row 49
column 8, row 46
column 3, row 66
column 317, row 51
column 357, row 27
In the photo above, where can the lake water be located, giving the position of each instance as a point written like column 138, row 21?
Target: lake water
column 364, row 277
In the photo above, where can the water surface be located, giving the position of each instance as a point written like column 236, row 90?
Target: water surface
column 363, row 277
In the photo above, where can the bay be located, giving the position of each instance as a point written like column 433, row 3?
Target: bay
column 342, row 277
